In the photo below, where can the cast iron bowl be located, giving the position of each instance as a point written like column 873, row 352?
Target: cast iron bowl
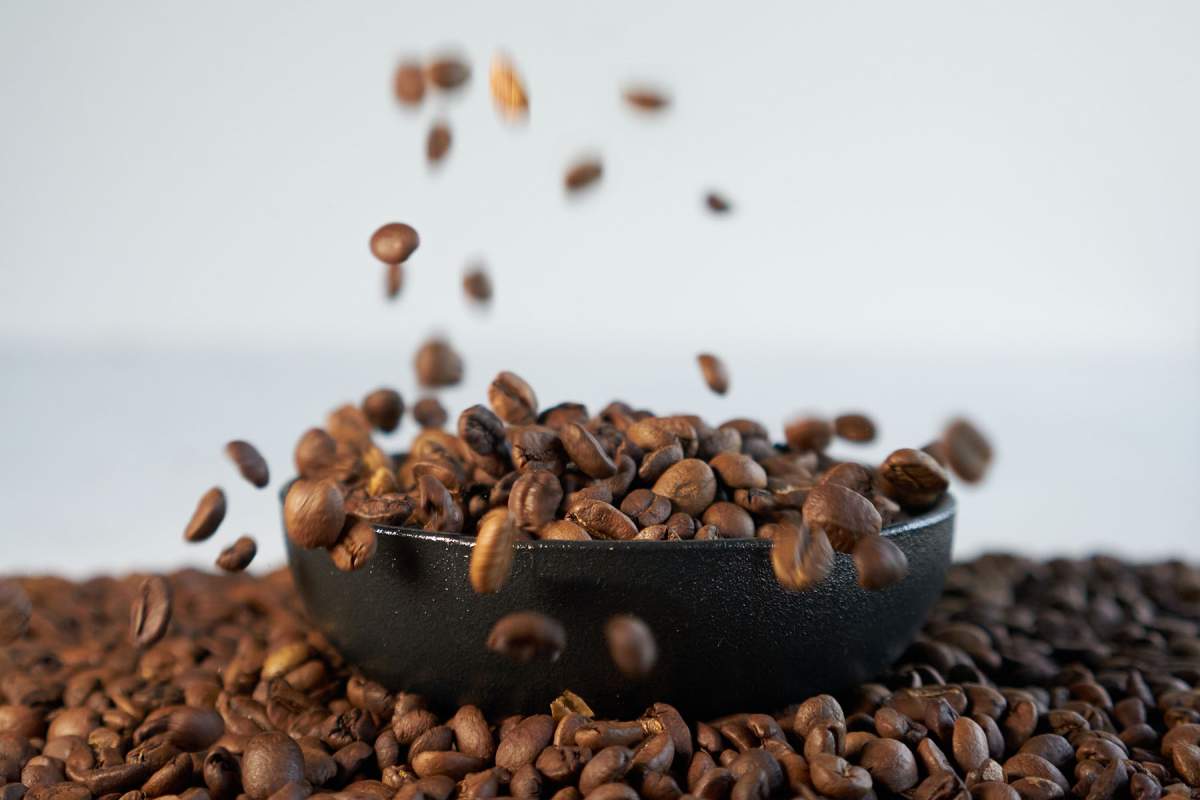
column 729, row 637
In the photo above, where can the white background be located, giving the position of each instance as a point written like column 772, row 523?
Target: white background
column 939, row 207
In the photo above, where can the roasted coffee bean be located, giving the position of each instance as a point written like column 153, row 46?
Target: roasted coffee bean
column 15, row 612
column 690, row 486
column 527, row 635
column 151, row 612
column 428, row 413
column 563, row 530
column 524, row 741
column 646, row 508
column 250, row 463
column 492, row 554
column 448, row 72
column 880, row 564
column 408, row 83
column 844, row 515
column 536, row 447
column 394, row 242
column 437, row 142
column 582, row 174
column 384, row 408
column 738, row 471
column 854, row 427
column 602, row 521
column 269, row 762
column 477, row 285
column 393, row 280
column 800, row 557
column 207, row 517
column 717, row 203
column 714, row 372
column 915, row 479
column 238, row 555
column 854, row 477
column 631, row 645
column 437, row 364
column 585, row 451
column 967, row 451
column 508, row 91
column 534, row 499
column 808, row 433
column 513, row 399
column 355, row 547
column 890, row 764
column 731, row 521
column 314, row 513
column 835, row 777
column 315, row 453
column 644, row 98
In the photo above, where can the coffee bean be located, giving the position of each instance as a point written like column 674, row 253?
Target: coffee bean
column 477, row 285
column 313, row 513
column 738, row 471
column 731, row 521
column 582, row 174
column 394, row 242
column 270, row 761
column 15, row 612
column 508, row 91
column 492, row 554
column 854, row 477
column 437, row 142
column 801, row 558
column 717, row 203
column 714, row 372
column 854, row 428
column 913, row 479
column 151, row 612
column 646, row 508
column 513, row 399
column 890, row 764
column 315, row 454
column 355, row 547
column 967, row 451
column 408, row 83
column 238, row 555
column 534, row 499
column 527, row 635
column 644, row 98
column 428, row 413
column 631, row 645
column 207, row 517
column 585, row 451
column 249, row 461
column 602, row 521
column 844, row 515
column 835, row 777
column 393, row 280
column 437, row 364
column 880, row 564
column 384, row 408
column 690, row 486
column 448, row 72
column 808, row 433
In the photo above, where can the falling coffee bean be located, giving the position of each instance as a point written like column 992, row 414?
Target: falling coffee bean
column 313, row 513
column 437, row 143
column 384, row 408
column 801, row 558
column 394, row 242
column 967, row 450
column 238, row 555
column 429, row 413
column 583, row 174
column 249, row 462
column 845, row 515
column 408, row 83
column 631, row 645
column 355, row 547
column 477, row 285
column 393, row 280
column 492, row 553
column 15, row 611
column 644, row 98
column 914, row 478
column 718, row 204
column 527, row 635
column 714, row 372
column 448, row 72
column 808, row 433
column 315, row 453
column 513, row 399
column 508, row 91
column 437, row 364
column 879, row 562
column 151, row 611
column 854, row 428
column 207, row 517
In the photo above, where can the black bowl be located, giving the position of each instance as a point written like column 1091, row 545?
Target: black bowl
column 729, row 637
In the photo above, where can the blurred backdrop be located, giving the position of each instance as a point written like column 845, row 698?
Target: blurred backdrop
column 939, row 208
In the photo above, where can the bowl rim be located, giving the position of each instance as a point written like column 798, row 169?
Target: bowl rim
column 945, row 508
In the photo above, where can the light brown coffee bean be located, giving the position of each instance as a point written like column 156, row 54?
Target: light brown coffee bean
column 393, row 280
column 913, row 479
column 513, row 399
column 492, row 554
column 314, row 513
column 645, row 98
column 428, row 413
column 631, row 645
column 738, row 471
column 801, row 558
column 527, row 635
column 209, row 513
column 854, row 477
column 270, row 762
column 384, row 408
column 534, row 499
column 15, row 612
column 563, row 530
column 880, row 564
column 969, row 744
column 808, row 433
column 835, row 777
column 582, row 174
column 890, row 764
column 315, row 453
column 730, row 520
column 602, row 521
column 844, row 515
column 437, row 364
column 355, row 547
column 713, row 370
column 690, row 486
column 151, row 611
column 967, row 450
column 854, row 427
column 394, row 242
column 508, row 91
column 250, row 463
column 408, row 83
column 585, row 451
column 536, row 447
column 477, row 285
column 646, row 508
column 238, row 555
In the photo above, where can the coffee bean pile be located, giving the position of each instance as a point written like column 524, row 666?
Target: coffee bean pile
column 1030, row 681
column 513, row 470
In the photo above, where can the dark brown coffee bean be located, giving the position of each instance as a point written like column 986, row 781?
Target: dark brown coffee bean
column 437, row 142
column 915, row 479
column 644, row 98
column 854, row 427
column 607, row 766
column 384, row 408
column 714, row 372
column 207, row 517
column 222, row 774
column 492, row 554
column 522, row 744
column 477, row 285
column 536, row 447
column 513, row 399
column 15, row 612
column 527, row 635
column 844, row 515
column 731, row 521
column 968, row 451
column 428, row 413
column 408, row 83
column 315, row 453
column 1028, row 765
column 563, row 530
column 585, row 451
column 602, row 521
column 801, row 558
column 880, row 564
column 690, row 486
column 808, row 433
column 437, row 364
column 151, row 612
column 313, row 513
column 250, row 463
column 394, row 242
column 835, row 777
column 269, row 762
column 969, row 744
column 854, row 477
column 717, row 203
column 534, row 499
column 738, row 471
column 448, row 72
column 646, row 508
column 1186, row 760
column 631, row 645
column 238, row 555
column 355, row 547
column 582, row 174
column 890, row 764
